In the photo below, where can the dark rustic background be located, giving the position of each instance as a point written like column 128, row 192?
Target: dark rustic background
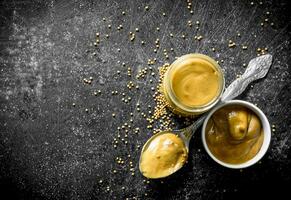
column 50, row 149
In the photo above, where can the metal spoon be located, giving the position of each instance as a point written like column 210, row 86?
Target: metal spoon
column 256, row 69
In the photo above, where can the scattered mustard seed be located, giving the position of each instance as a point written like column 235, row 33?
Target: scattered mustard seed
column 231, row 44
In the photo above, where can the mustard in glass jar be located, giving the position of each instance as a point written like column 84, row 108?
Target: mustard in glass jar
column 193, row 84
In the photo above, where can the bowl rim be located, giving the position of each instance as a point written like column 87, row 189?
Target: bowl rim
column 266, row 128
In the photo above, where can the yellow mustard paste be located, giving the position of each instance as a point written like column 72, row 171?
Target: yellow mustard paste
column 234, row 134
column 196, row 82
column 164, row 155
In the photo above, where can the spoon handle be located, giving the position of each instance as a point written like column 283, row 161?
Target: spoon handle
column 257, row 69
column 189, row 131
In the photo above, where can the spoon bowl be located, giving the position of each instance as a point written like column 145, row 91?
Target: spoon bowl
column 174, row 148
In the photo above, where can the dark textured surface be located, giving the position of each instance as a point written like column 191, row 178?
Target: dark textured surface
column 52, row 150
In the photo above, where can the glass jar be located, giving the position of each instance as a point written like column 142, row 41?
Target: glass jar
column 195, row 68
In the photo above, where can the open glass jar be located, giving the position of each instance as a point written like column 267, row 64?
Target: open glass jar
column 193, row 84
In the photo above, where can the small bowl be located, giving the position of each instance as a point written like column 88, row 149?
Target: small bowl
column 266, row 127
